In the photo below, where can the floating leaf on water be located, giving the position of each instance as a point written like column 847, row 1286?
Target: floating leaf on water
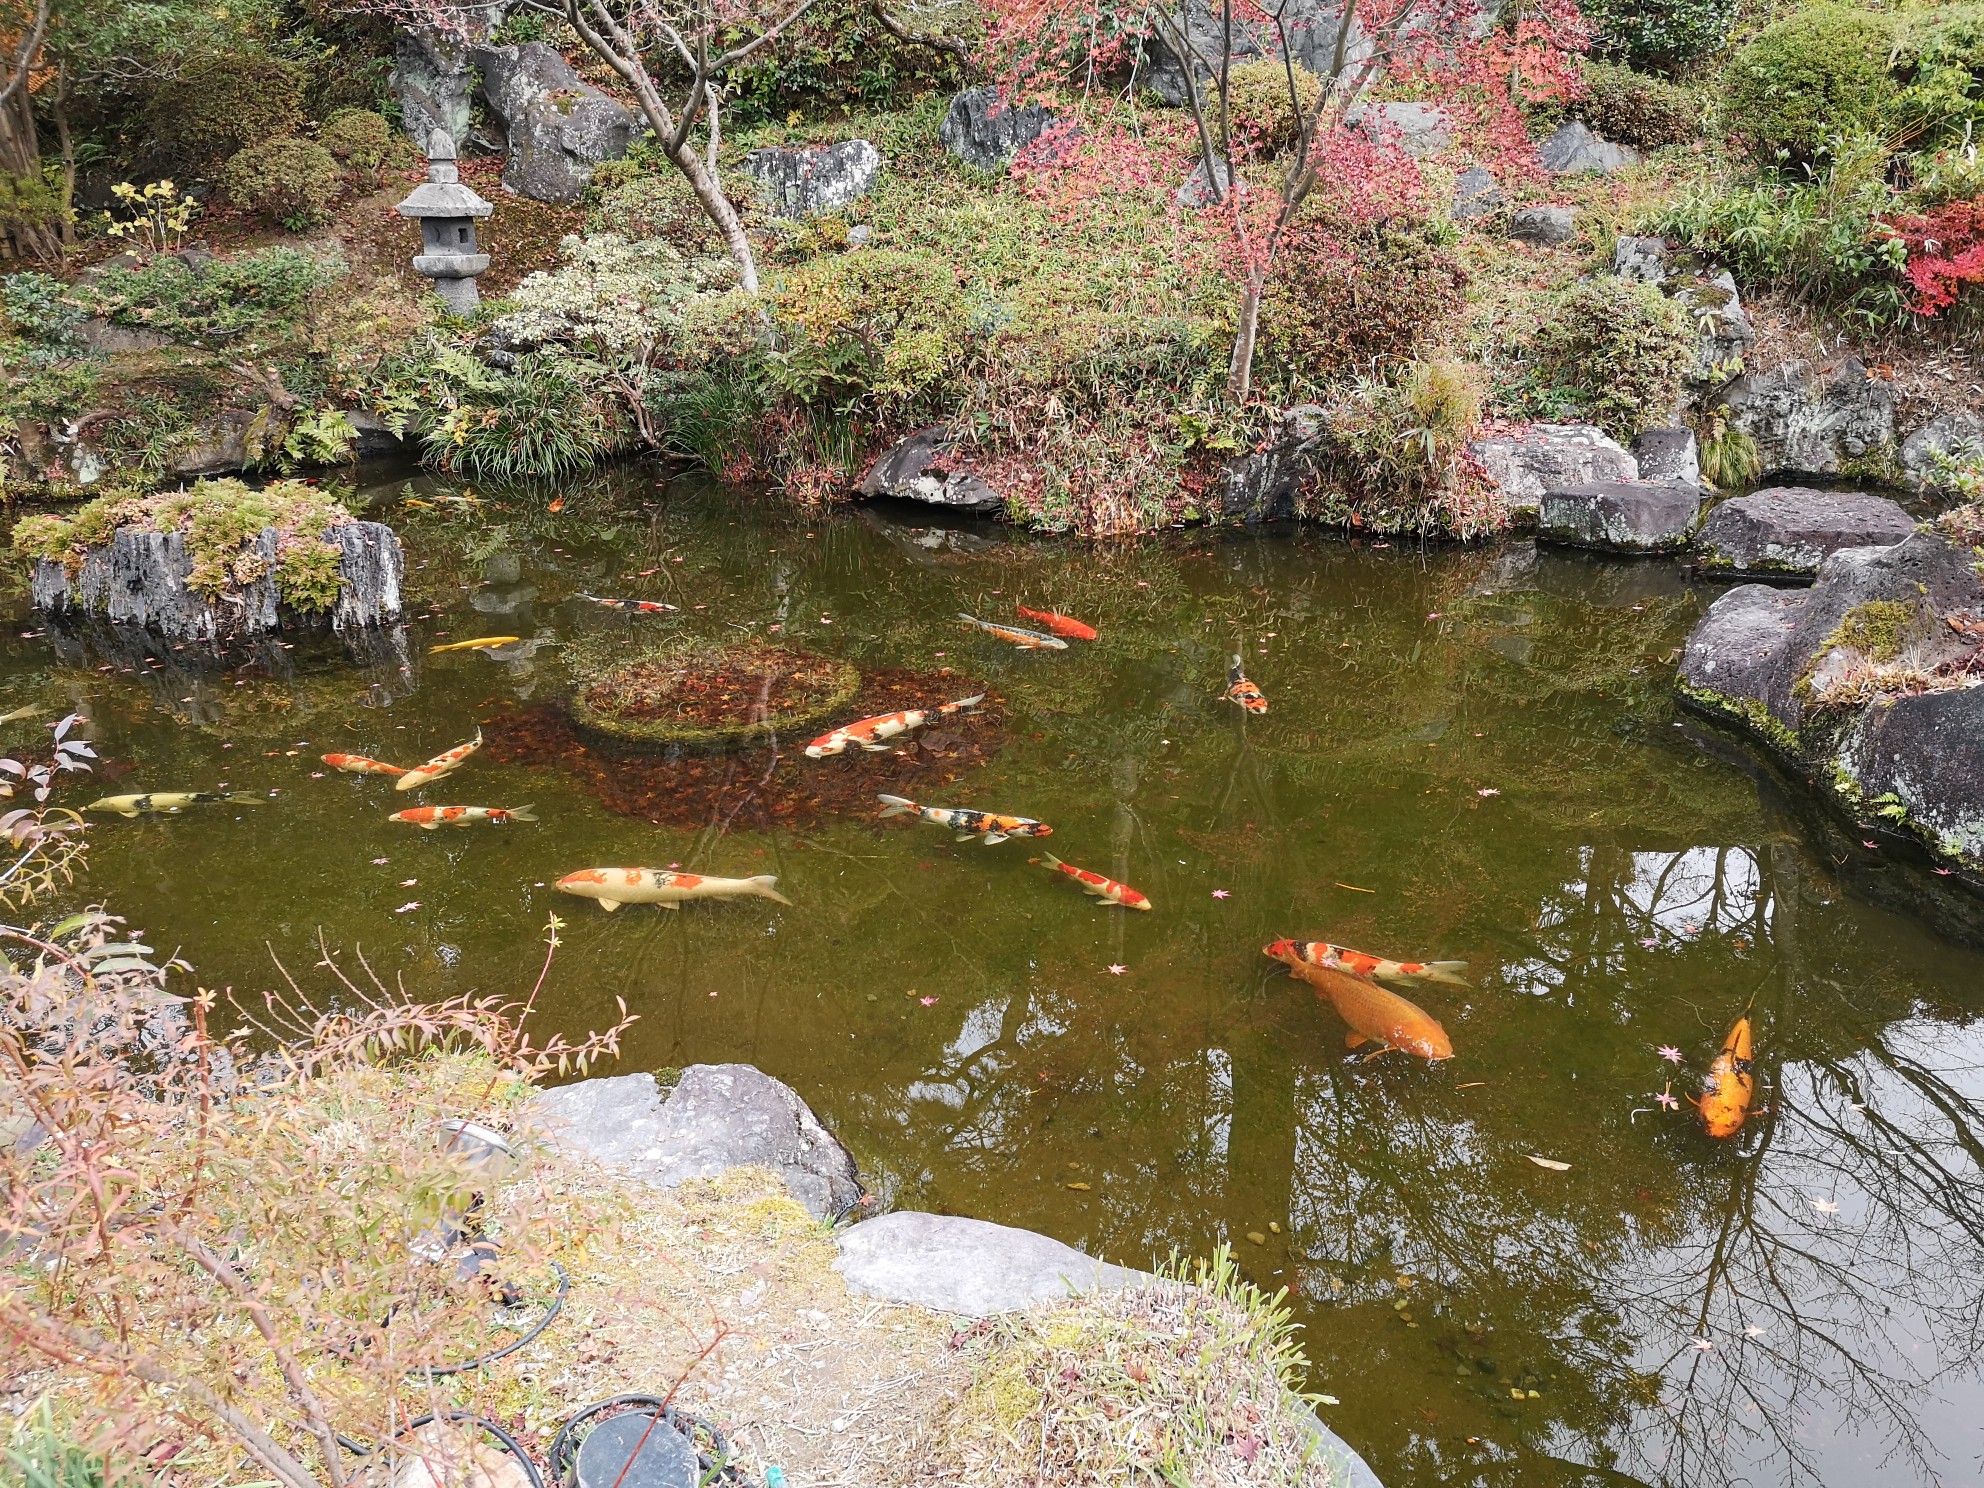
column 1551, row 1163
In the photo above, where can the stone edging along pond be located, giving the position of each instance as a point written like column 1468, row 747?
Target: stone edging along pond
column 722, row 1116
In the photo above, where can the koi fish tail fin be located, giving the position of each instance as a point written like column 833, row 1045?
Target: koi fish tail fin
column 1448, row 973
column 522, row 813
column 969, row 619
column 895, row 806
column 1047, row 859
column 961, row 704
column 765, row 884
column 1234, row 670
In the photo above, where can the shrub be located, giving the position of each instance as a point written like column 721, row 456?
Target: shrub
column 358, row 137
column 1808, row 79
column 1942, row 54
column 39, row 310
column 220, row 105
column 1625, row 105
column 1259, row 106
column 1394, row 457
column 1660, row 35
column 883, row 327
column 613, row 296
column 547, row 416
column 1623, row 346
column 1945, row 255
column 264, row 294
column 289, row 180
column 1824, row 241
column 1347, row 300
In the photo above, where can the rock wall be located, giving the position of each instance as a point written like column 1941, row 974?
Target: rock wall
column 140, row 578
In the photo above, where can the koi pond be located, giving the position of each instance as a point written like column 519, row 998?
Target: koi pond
column 1468, row 755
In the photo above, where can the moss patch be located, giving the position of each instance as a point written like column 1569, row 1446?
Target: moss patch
column 699, row 694
column 220, row 520
column 1748, row 712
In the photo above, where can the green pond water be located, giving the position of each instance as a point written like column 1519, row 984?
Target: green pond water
column 1470, row 754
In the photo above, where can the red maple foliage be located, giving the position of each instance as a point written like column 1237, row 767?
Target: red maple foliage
column 1945, row 253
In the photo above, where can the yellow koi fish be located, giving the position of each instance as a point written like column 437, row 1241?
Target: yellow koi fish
column 480, row 643
column 1374, row 1015
column 1725, row 1103
column 170, row 803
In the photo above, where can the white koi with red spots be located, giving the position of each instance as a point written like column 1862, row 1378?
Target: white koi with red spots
column 613, row 887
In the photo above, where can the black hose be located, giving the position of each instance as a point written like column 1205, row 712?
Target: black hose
column 712, row 1465
column 509, row 1443
column 557, row 1306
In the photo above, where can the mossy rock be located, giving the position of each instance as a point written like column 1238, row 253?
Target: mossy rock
column 711, row 696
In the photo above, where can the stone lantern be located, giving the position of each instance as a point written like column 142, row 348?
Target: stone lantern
column 448, row 212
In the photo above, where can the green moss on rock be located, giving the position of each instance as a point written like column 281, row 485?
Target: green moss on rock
column 711, row 695
column 220, row 521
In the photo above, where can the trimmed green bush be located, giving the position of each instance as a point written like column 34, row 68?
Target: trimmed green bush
column 1348, row 299
column 1942, row 57
column 1623, row 346
column 1660, row 35
column 289, row 180
column 1808, row 80
column 1259, row 106
column 221, row 105
column 358, row 137
column 264, row 294
column 884, row 326
column 1639, row 110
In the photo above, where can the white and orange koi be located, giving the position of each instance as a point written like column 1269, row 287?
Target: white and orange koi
column 1240, row 690
column 613, row 887
column 1363, row 964
column 632, row 606
column 441, row 764
column 1106, row 889
column 427, row 818
column 967, row 823
column 361, row 764
column 1031, row 640
column 869, row 732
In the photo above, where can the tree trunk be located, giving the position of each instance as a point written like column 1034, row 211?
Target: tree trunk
column 1240, row 372
column 59, row 111
column 20, row 157
column 710, row 193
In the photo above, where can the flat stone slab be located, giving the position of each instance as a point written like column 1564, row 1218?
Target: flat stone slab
column 719, row 1116
column 1620, row 516
column 968, row 1266
column 1791, row 530
column 1525, row 462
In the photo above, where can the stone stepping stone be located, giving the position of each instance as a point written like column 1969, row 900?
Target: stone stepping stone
column 1636, row 517
column 1789, row 531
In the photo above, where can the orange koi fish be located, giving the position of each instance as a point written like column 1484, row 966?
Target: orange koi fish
column 1363, row 964
column 360, row 764
column 869, row 732
column 1031, row 640
column 1106, row 889
column 1725, row 1103
column 1374, row 1015
column 633, row 606
column 1061, row 625
column 480, row 643
column 1240, row 690
column 427, row 818
column 613, row 887
column 441, row 764
column 968, row 824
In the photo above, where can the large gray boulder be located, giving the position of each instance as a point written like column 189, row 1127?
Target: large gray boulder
column 141, row 578
column 920, row 468
column 1630, row 517
column 433, row 81
column 1864, row 683
column 557, row 125
column 1544, row 227
column 1524, row 462
column 1476, row 194
column 1262, row 486
column 967, row 1266
column 807, row 181
column 1790, row 530
column 1670, row 454
column 1810, row 420
column 1957, row 434
column 1724, row 335
column 1311, row 27
column 1419, row 129
column 983, row 129
column 719, row 1116
column 1575, row 150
